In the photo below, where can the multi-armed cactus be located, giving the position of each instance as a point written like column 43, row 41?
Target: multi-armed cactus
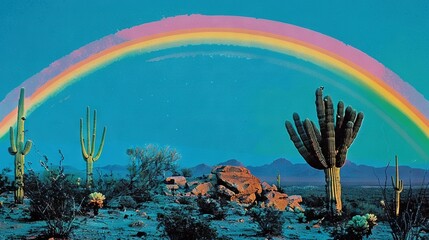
column 89, row 151
column 19, row 149
column 398, row 186
column 326, row 149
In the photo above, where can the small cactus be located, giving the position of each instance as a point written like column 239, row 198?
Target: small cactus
column 19, row 149
column 96, row 200
column 398, row 186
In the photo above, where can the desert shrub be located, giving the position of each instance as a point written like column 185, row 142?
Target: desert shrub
column 357, row 228
column 181, row 225
column 52, row 199
column 5, row 183
column 186, row 172
column 127, row 202
column 314, row 201
column 413, row 219
column 110, row 186
column 269, row 220
column 211, row 206
column 185, row 200
column 147, row 168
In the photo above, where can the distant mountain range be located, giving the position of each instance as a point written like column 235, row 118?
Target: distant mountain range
column 293, row 174
column 303, row 174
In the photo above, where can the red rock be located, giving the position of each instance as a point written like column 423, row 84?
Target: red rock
column 244, row 198
column 224, row 192
column 203, row 189
column 277, row 200
column 179, row 180
column 267, row 187
column 238, row 179
column 294, row 201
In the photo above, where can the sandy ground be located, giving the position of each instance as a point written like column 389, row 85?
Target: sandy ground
column 126, row 224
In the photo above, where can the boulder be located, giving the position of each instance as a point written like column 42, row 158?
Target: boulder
column 294, row 201
column 224, row 192
column 246, row 199
column 203, row 189
column 178, row 180
column 267, row 187
column 276, row 199
column 238, row 179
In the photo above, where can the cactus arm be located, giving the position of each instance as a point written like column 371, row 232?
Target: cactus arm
column 357, row 125
column 339, row 124
column 315, row 145
column 303, row 134
column 317, row 132
column 329, row 136
column 320, row 108
column 342, row 150
column 27, row 147
column 88, row 132
column 82, row 141
column 301, row 148
column 94, row 130
column 100, row 149
column 12, row 149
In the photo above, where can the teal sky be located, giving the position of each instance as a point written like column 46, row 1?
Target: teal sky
column 212, row 103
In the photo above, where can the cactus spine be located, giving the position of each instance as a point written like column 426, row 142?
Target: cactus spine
column 398, row 186
column 19, row 149
column 326, row 149
column 89, row 151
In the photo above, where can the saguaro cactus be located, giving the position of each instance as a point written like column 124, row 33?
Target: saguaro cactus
column 19, row 149
column 89, row 151
column 398, row 186
column 326, row 149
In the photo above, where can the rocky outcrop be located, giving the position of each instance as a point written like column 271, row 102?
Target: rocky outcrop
column 238, row 180
column 178, row 180
column 235, row 183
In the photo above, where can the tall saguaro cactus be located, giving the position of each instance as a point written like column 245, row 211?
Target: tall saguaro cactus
column 88, row 151
column 398, row 186
column 19, row 149
column 326, row 149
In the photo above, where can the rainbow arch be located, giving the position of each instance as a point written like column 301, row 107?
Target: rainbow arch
column 226, row 30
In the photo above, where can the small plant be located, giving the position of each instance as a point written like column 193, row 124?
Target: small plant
column 52, row 199
column 301, row 217
column 96, row 201
column 186, row 172
column 181, row 225
column 5, row 184
column 357, row 228
column 269, row 220
column 211, row 206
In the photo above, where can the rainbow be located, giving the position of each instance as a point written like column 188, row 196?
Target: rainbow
column 223, row 30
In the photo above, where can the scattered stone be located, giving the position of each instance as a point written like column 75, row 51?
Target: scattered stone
column 276, row 199
column 177, row 180
column 137, row 224
column 202, row 189
column 267, row 187
column 294, row 201
column 224, row 192
column 141, row 234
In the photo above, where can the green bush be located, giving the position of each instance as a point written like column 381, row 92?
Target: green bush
column 5, row 183
column 147, row 168
column 211, row 206
column 269, row 220
column 181, row 225
column 186, row 172
column 52, row 199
